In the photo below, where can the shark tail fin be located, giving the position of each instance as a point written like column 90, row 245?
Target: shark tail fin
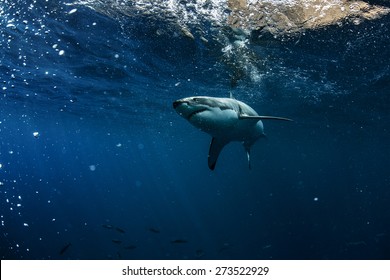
column 216, row 147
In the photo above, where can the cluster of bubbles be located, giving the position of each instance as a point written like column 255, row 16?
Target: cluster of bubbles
column 183, row 13
column 203, row 20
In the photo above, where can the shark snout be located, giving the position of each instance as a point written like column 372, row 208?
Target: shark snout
column 177, row 103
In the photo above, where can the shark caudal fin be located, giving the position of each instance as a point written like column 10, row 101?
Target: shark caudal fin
column 216, row 147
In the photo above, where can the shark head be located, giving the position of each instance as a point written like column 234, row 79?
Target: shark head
column 191, row 106
column 209, row 114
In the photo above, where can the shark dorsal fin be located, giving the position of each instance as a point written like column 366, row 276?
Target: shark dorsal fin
column 231, row 95
column 216, row 147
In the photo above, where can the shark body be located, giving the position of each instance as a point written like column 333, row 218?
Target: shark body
column 226, row 120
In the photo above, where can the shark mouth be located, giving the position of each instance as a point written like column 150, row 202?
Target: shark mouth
column 195, row 112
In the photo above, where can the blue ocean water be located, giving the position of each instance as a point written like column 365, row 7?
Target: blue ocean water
column 96, row 164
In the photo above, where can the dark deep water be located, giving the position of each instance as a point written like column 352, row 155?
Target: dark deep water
column 117, row 174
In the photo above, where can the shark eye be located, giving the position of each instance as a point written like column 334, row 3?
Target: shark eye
column 195, row 99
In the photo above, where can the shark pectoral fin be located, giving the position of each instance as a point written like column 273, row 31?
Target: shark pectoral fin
column 244, row 117
column 216, row 147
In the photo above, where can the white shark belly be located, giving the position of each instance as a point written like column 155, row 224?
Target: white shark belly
column 227, row 124
column 214, row 122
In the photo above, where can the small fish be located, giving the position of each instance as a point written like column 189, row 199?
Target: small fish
column 130, row 247
column 108, row 226
column 199, row 253
column 267, row 246
column 357, row 243
column 120, row 230
column 154, row 230
column 179, row 241
column 65, row 248
column 116, row 241
column 225, row 247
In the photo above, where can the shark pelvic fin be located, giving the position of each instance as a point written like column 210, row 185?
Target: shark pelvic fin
column 248, row 154
column 216, row 147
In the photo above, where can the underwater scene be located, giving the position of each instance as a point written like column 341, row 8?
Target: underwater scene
column 113, row 115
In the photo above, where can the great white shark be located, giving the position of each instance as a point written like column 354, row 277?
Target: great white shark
column 226, row 120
